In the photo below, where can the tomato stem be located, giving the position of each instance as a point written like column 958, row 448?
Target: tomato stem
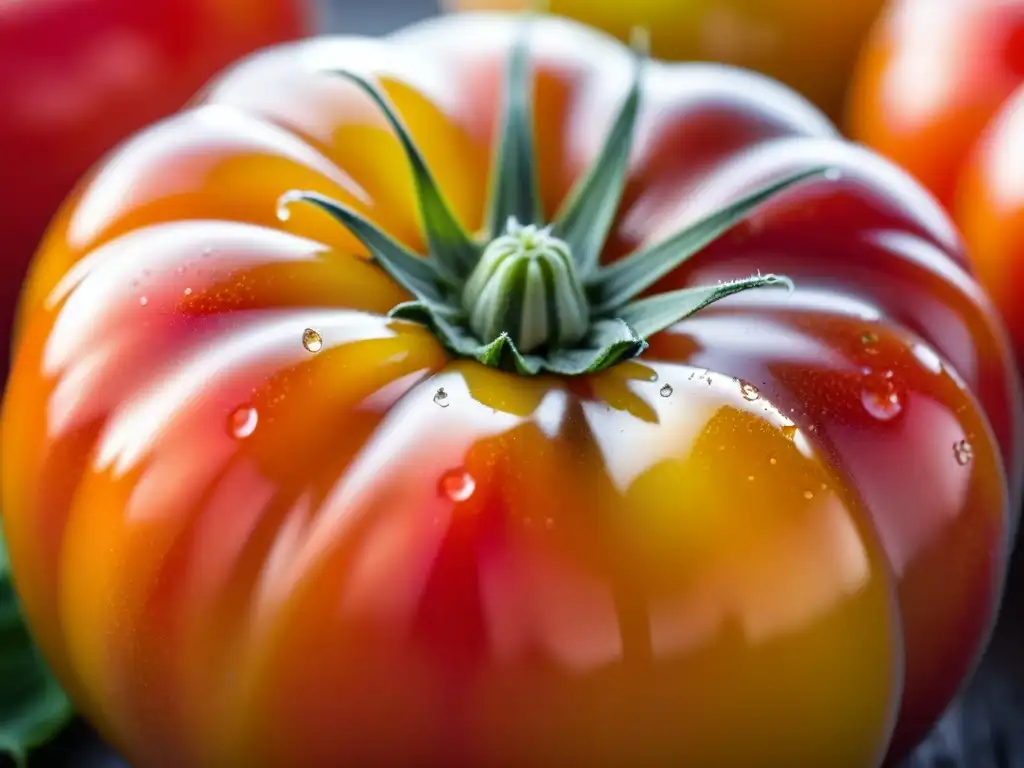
column 530, row 295
column 526, row 285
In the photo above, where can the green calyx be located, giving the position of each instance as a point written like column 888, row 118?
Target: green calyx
column 533, row 295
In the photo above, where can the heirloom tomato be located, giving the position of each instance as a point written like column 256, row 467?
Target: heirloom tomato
column 935, row 92
column 489, row 394
column 811, row 45
column 77, row 76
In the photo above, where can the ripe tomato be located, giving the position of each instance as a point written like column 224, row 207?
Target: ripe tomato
column 808, row 44
column 257, row 520
column 934, row 92
column 77, row 76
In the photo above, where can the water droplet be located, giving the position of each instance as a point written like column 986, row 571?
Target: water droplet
column 143, row 300
column 789, row 431
column 242, row 422
column 963, row 452
column 284, row 203
column 188, row 291
column 880, row 398
column 869, row 339
column 808, row 495
column 749, row 391
column 666, row 391
column 457, row 485
column 773, row 460
column 750, row 477
column 312, row 341
column 441, row 398
column 833, row 174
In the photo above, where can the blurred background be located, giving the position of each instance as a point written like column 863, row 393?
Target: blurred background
column 813, row 45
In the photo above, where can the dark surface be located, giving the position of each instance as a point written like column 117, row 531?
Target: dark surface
column 983, row 729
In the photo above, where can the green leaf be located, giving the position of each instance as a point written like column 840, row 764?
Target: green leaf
column 609, row 342
column 514, row 192
column 656, row 313
column 33, row 707
column 449, row 243
column 614, row 285
column 588, row 213
column 449, row 327
column 412, row 272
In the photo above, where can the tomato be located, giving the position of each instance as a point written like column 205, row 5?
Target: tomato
column 931, row 77
column 990, row 209
column 808, row 44
column 77, row 76
column 934, row 91
column 271, row 502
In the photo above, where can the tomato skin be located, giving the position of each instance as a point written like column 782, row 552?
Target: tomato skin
column 78, row 76
column 781, row 38
column 234, row 551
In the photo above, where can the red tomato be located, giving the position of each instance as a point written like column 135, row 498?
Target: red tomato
column 77, row 76
column 933, row 93
column 256, row 521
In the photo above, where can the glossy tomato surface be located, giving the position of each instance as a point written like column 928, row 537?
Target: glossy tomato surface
column 78, row 76
column 777, row 537
column 808, row 44
column 934, row 93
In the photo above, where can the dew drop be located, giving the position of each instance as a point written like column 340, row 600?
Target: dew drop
column 833, row 174
column 242, row 422
column 188, row 291
column 808, row 495
column 789, row 431
column 963, row 452
column 773, row 460
column 750, row 478
column 457, row 485
column 143, row 300
column 666, row 391
column 868, row 340
column 441, row 398
column 749, row 391
column 312, row 340
column 880, row 398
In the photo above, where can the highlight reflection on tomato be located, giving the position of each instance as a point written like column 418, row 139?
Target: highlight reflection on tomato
column 256, row 520
column 78, row 76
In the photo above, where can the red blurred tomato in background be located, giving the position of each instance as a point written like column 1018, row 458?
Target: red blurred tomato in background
column 811, row 45
column 76, row 76
column 940, row 90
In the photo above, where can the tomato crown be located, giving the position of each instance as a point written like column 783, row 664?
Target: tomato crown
column 533, row 296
